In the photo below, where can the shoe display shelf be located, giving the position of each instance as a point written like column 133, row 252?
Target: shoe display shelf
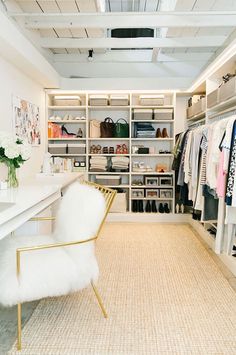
column 160, row 147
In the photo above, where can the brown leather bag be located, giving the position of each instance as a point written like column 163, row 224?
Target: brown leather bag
column 107, row 128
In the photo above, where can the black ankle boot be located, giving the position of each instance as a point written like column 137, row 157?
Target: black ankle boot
column 166, row 208
column 148, row 208
column 161, row 208
column 140, row 206
column 154, row 207
column 134, row 206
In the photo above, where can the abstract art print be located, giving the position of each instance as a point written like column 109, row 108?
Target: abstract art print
column 26, row 121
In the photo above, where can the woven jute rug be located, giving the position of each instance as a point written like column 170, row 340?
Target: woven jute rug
column 163, row 292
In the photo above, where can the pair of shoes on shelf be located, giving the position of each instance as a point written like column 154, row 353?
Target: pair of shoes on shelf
column 137, row 206
column 137, row 182
column 164, row 208
column 162, row 134
column 179, row 208
column 151, row 207
column 121, row 149
column 95, row 149
column 106, row 150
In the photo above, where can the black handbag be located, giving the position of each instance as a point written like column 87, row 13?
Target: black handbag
column 107, row 128
column 122, row 129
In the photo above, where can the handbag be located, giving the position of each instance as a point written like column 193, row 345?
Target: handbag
column 107, row 128
column 121, row 129
column 95, row 131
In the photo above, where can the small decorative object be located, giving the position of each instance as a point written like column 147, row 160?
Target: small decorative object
column 79, row 133
column 13, row 153
column 161, row 168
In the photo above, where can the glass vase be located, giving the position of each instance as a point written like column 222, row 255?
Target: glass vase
column 11, row 177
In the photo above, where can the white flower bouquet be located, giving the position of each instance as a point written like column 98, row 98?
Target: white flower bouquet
column 13, row 153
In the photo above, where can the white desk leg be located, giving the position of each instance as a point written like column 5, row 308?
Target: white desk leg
column 220, row 227
column 230, row 238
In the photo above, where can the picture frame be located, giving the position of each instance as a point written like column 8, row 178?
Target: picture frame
column 166, row 193
column 151, row 180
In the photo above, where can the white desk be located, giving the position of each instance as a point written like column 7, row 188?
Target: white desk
column 30, row 198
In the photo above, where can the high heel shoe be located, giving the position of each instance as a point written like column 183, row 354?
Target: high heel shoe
column 64, row 131
column 165, row 133
column 158, row 133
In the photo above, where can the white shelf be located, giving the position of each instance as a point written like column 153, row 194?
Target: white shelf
column 67, row 121
column 151, row 173
column 107, row 173
column 68, row 108
column 109, row 155
column 196, row 117
column 108, row 107
column 151, row 187
column 108, row 139
column 152, row 198
column 66, row 139
column 68, row 155
column 153, row 139
column 152, row 155
column 223, row 105
column 118, row 186
column 152, row 106
column 154, row 121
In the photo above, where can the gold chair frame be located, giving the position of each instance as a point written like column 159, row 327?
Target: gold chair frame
column 109, row 195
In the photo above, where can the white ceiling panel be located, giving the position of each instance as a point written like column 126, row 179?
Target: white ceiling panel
column 67, row 6
column 78, row 32
column 86, row 5
column 47, row 32
column 49, row 6
column 224, row 5
column 29, row 6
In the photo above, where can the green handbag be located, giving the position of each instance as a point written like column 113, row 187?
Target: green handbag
column 121, row 129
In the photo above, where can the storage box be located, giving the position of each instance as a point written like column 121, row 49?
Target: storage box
column 57, row 148
column 190, row 112
column 137, row 193
column 98, row 100
column 119, row 204
column 213, row 98
column 163, row 114
column 61, row 100
column 199, row 106
column 119, row 100
column 143, row 114
column 152, row 100
column 152, row 193
column 76, row 148
column 108, row 180
column 228, row 90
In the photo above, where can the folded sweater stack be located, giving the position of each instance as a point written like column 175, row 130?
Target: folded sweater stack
column 98, row 163
column 120, row 163
column 144, row 130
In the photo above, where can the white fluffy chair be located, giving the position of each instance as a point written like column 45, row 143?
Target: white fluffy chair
column 61, row 263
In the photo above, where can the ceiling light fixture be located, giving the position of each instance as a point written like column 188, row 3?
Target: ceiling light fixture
column 90, row 56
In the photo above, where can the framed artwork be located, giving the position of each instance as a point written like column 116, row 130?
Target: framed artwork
column 26, row 121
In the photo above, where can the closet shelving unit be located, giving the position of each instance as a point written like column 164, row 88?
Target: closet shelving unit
column 115, row 112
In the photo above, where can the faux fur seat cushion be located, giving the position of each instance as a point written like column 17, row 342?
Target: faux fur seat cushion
column 57, row 271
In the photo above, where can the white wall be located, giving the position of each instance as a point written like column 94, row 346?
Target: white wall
column 14, row 82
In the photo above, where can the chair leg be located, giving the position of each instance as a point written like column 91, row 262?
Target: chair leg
column 99, row 300
column 19, row 326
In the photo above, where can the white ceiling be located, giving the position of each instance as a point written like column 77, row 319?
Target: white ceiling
column 178, row 57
